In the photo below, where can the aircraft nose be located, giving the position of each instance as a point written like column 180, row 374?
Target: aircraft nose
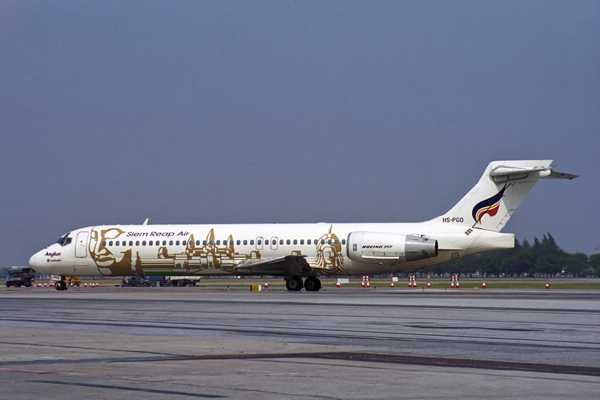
column 33, row 261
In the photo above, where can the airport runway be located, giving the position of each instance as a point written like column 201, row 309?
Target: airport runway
column 336, row 344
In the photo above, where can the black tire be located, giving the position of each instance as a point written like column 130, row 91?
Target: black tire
column 7, row 284
column 294, row 284
column 312, row 284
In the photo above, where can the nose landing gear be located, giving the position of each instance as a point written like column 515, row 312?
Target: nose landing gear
column 61, row 285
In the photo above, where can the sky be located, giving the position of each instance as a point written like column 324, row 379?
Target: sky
column 112, row 112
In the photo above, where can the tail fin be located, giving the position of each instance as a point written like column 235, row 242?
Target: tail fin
column 502, row 187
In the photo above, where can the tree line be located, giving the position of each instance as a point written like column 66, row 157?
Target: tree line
column 540, row 259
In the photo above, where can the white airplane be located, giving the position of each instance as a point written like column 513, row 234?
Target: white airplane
column 295, row 251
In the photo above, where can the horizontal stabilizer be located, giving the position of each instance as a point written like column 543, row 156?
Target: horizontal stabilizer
column 560, row 175
column 509, row 173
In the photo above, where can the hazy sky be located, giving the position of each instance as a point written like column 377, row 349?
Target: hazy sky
column 292, row 111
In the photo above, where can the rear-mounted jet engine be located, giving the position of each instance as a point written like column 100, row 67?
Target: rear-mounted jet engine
column 379, row 247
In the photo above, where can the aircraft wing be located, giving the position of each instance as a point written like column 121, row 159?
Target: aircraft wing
column 283, row 265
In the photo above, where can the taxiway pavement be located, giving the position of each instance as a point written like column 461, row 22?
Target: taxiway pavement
column 173, row 343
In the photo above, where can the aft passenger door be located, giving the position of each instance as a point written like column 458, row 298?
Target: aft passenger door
column 81, row 244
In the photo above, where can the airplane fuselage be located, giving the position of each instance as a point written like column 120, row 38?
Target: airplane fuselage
column 120, row 250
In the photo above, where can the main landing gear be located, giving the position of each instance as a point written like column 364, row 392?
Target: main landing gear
column 311, row 284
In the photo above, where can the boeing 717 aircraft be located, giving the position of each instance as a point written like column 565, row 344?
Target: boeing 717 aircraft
column 297, row 251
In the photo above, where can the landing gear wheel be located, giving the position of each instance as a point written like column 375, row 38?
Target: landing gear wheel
column 312, row 284
column 61, row 285
column 294, row 284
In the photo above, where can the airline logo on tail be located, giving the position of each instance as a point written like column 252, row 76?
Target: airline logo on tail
column 488, row 206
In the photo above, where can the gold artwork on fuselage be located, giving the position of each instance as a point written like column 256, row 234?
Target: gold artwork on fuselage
column 111, row 261
column 208, row 256
column 330, row 258
column 116, row 256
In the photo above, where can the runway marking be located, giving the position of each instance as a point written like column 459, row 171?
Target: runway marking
column 132, row 389
column 347, row 356
column 32, row 372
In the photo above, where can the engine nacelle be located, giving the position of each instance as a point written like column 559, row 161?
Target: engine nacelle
column 379, row 247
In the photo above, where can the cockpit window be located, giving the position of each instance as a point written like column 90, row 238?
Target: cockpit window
column 64, row 240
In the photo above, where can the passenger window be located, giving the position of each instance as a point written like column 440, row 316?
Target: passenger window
column 343, row 241
column 301, row 241
column 204, row 243
column 177, row 243
column 150, row 243
column 137, row 242
column 329, row 241
column 308, row 241
column 281, row 242
column 258, row 242
column 231, row 242
column 252, row 242
column 144, row 243
column 245, row 242
column 110, row 243
column 170, row 243
column 212, row 243
column 337, row 241
column 164, row 242
column 322, row 241
column 287, row 241
column 238, row 242
column 266, row 242
column 117, row 243
column 104, row 243
column 131, row 242
column 295, row 241
column 218, row 242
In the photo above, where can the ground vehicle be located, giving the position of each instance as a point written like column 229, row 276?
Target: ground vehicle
column 70, row 280
column 134, row 281
column 174, row 280
column 75, row 281
column 20, row 276
column 182, row 280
